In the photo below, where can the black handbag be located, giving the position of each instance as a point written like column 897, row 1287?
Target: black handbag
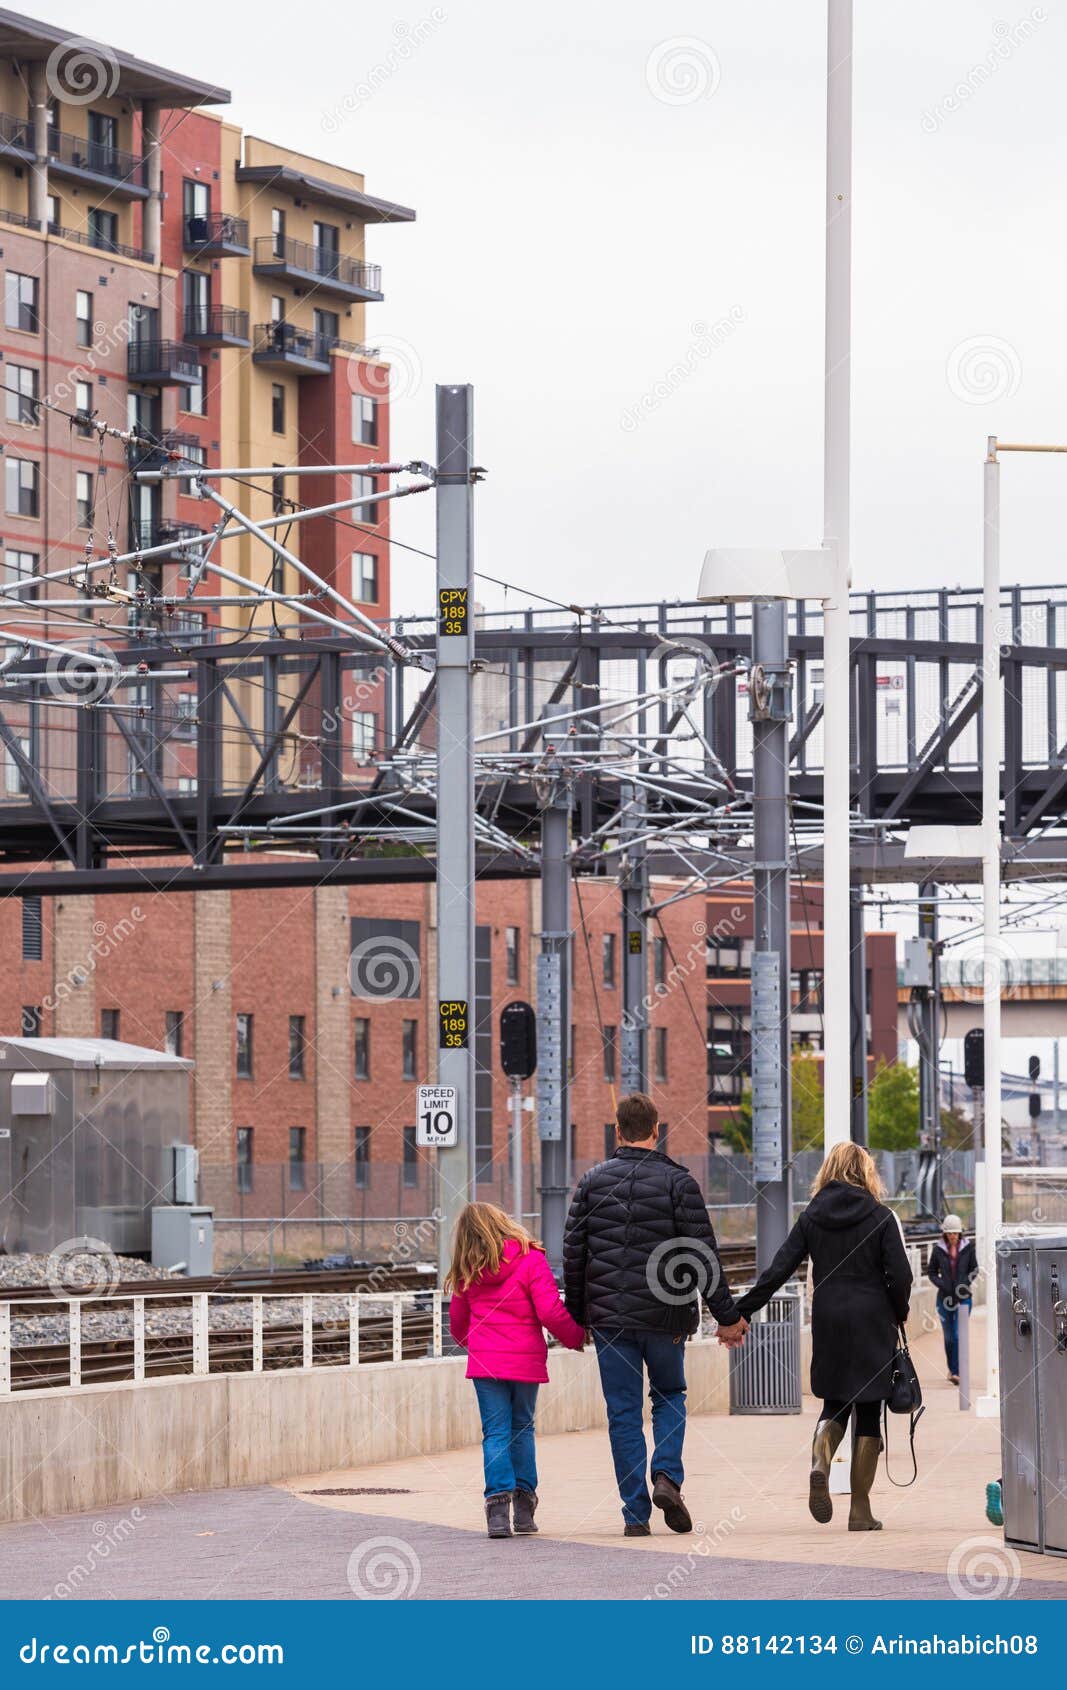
column 905, row 1397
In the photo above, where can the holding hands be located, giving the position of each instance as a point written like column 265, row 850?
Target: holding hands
column 732, row 1337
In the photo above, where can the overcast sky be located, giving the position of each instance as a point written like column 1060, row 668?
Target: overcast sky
column 609, row 193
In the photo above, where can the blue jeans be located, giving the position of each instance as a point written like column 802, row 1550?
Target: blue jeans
column 507, row 1409
column 623, row 1357
column 949, row 1315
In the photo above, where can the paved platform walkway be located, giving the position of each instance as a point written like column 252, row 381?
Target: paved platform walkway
column 414, row 1528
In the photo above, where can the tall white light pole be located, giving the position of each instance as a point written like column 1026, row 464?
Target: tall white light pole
column 994, row 635
column 837, row 694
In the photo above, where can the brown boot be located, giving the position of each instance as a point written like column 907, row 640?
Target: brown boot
column 865, row 1453
column 828, row 1434
column 498, row 1514
column 523, row 1508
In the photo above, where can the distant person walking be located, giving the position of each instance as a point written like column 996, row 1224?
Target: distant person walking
column 637, row 1251
column 862, row 1289
column 503, row 1293
column 952, row 1266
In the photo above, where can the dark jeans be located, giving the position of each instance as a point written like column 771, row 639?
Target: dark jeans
column 948, row 1312
column 508, row 1455
column 623, row 1357
column 868, row 1415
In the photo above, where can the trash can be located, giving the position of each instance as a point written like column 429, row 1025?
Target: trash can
column 1032, row 1327
column 765, row 1371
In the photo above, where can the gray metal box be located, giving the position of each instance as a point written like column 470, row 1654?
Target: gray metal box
column 184, row 1235
column 1032, row 1314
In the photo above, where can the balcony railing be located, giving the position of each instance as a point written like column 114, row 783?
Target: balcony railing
column 155, row 453
column 96, row 158
column 223, row 323
column 163, row 532
column 16, row 134
column 101, row 243
column 333, row 271
column 284, row 343
column 162, row 361
column 218, row 232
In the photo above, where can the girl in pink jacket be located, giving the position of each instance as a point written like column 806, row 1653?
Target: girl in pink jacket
column 503, row 1293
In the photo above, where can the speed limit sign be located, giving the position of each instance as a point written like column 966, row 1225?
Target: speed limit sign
column 436, row 1122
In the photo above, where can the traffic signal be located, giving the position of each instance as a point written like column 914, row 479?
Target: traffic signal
column 518, row 1040
column 974, row 1057
column 1035, row 1067
column 1035, row 1105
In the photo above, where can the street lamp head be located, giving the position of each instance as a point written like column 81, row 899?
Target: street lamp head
column 737, row 574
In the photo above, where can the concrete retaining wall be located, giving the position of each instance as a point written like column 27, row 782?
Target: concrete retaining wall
column 64, row 1451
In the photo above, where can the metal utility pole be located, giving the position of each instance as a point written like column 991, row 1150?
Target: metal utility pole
column 994, row 634
column 455, row 799
column 554, row 1016
column 930, row 1188
column 633, row 883
column 858, row 1014
column 836, row 480
column 770, row 711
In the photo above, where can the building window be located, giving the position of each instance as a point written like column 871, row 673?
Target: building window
column 20, row 566
column 31, row 1021
column 20, row 303
column 52, row 205
column 194, row 394
column 363, row 723
column 196, row 201
column 103, row 228
column 277, row 308
column 83, row 404
column 611, row 1139
column 14, row 779
column 361, row 1048
column 277, row 230
column 109, row 1023
column 608, row 1039
column 362, row 1158
column 22, row 481
column 607, row 957
column 244, row 1158
column 297, row 1157
column 83, row 499
column 659, row 961
column 410, row 1050
column 174, row 1032
column 511, row 956
column 21, row 390
column 661, row 1142
column 277, row 407
column 83, row 318
column 571, row 1046
column 365, row 577
column 365, row 487
column 278, row 503
column 196, row 301
column 411, row 1157
column 188, row 484
column 32, row 929
column 364, row 420
column 243, row 1025
column 297, row 1047
column 659, row 1045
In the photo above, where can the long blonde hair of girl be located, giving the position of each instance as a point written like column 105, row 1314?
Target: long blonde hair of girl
column 850, row 1164
column 481, row 1232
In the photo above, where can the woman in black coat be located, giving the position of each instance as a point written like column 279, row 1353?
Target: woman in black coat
column 862, row 1287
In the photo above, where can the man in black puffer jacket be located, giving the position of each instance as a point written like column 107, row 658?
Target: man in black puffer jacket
column 638, row 1252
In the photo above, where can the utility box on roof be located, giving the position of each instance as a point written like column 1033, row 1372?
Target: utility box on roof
column 86, row 1130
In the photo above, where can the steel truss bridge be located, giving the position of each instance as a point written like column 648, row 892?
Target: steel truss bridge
column 207, row 749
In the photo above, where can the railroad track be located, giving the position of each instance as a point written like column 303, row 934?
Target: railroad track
column 284, row 1282
column 110, row 1360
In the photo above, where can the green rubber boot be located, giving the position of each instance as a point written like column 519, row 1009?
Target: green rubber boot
column 828, row 1434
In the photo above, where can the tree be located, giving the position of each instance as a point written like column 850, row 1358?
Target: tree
column 807, row 1111
column 893, row 1107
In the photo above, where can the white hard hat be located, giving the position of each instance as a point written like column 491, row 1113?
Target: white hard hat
column 952, row 1223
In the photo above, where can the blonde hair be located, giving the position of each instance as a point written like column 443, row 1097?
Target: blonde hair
column 478, row 1242
column 850, row 1164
